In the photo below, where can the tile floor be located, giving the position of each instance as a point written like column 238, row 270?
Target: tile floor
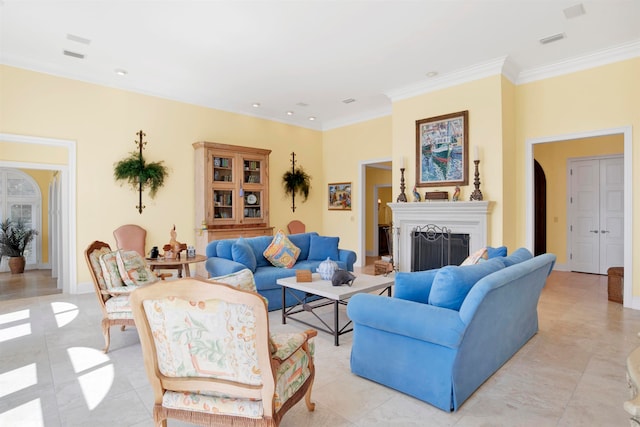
column 572, row 373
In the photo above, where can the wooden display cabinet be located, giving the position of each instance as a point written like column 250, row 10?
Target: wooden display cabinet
column 231, row 192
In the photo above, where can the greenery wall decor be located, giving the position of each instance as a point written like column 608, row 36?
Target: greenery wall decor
column 139, row 174
column 296, row 181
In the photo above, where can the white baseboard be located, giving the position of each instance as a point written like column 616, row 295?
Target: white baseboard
column 561, row 267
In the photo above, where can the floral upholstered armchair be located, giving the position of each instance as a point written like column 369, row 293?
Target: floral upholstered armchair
column 210, row 358
column 115, row 275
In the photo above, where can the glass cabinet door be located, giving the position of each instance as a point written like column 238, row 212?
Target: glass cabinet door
column 252, row 204
column 252, row 172
column 222, row 204
column 223, row 169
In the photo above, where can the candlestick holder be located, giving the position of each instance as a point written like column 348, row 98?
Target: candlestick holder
column 402, row 197
column 477, row 194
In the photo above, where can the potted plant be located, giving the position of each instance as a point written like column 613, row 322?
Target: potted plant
column 15, row 236
column 296, row 181
column 140, row 174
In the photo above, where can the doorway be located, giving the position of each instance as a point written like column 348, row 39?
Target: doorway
column 626, row 133
column 596, row 214
column 67, row 256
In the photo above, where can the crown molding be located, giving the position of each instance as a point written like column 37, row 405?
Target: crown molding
column 455, row 78
column 610, row 55
column 357, row 118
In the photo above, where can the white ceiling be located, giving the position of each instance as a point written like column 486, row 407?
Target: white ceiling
column 231, row 54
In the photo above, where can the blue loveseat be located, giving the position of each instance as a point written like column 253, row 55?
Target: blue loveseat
column 231, row 255
column 446, row 331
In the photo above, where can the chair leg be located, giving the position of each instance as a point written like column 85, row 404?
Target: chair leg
column 307, row 399
column 122, row 327
column 106, row 333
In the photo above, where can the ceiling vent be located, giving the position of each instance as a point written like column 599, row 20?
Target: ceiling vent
column 553, row 38
column 302, row 104
column 348, row 100
column 73, row 54
column 78, row 39
column 574, row 11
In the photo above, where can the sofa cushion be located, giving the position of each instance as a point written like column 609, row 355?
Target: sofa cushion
column 519, row 255
column 323, row 247
column 241, row 252
column 476, row 257
column 259, row 245
column 496, row 252
column 452, row 283
column 224, row 248
column 281, row 252
column 302, row 241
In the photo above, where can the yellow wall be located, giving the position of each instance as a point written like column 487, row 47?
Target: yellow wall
column 502, row 117
column 553, row 158
column 103, row 122
column 483, row 99
column 43, row 178
column 594, row 99
column 42, row 154
column 344, row 150
column 375, row 176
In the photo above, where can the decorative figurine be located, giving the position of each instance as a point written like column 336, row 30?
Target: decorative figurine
column 456, row 194
column 172, row 250
column 416, row 195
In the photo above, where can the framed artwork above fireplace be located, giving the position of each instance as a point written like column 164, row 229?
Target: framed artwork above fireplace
column 442, row 150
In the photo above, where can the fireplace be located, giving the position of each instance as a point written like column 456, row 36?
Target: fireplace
column 464, row 218
column 434, row 247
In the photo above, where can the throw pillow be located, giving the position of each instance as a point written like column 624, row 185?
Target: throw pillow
column 496, row 252
column 223, row 249
column 241, row 252
column 476, row 257
column 242, row 279
column 519, row 255
column 110, row 271
column 323, row 247
column 134, row 270
column 281, row 252
column 452, row 283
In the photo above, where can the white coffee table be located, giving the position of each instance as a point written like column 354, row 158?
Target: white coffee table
column 336, row 295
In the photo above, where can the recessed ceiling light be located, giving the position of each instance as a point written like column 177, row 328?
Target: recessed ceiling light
column 289, row 113
column 553, row 38
column 255, row 104
column 432, row 73
column 120, row 72
column 312, row 118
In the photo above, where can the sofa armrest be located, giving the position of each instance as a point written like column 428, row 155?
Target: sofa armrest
column 221, row 266
column 348, row 257
column 415, row 286
column 424, row 322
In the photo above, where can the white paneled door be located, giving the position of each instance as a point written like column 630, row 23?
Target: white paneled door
column 596, row 214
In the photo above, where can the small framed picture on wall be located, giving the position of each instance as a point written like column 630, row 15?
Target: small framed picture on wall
column 340, row 196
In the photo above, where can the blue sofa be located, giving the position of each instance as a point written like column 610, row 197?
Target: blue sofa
column 223, row 258
column 446, row 331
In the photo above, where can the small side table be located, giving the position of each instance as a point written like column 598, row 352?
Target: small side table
column 183, row 260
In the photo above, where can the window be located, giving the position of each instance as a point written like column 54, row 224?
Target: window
column 20, row 199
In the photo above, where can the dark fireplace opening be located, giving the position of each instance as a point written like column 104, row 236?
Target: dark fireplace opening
column 434, row 247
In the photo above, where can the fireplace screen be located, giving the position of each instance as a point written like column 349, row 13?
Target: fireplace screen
column 434, row 247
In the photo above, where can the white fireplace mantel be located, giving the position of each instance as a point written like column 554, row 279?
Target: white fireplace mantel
column 459, row 217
